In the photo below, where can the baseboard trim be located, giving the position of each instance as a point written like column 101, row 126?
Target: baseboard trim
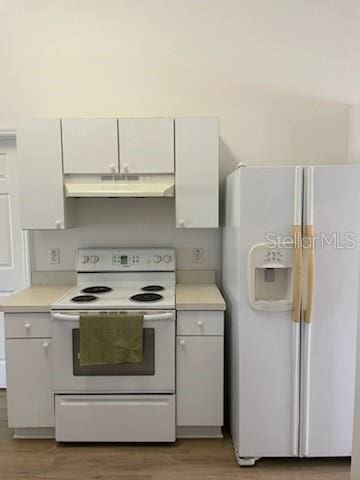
column 199, row 432
column 34, row 433
column 2, row 374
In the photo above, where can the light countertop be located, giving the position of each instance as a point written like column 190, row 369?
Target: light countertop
column 39, row 298
column 199, row 296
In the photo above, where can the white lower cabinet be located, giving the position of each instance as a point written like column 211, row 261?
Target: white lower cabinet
column 199, row 388
column 30, row 396
column 199, row 376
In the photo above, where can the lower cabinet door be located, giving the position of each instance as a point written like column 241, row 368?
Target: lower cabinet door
column 199, row 386
column 30, row 399
column 115, row 418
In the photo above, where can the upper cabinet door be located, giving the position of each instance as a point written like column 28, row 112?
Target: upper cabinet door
column 90, row 145
column 197, row 172
column 40, row 174
column 146, row 145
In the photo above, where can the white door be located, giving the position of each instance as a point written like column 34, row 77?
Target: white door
column 329, row 340
column 41, row 189
column 12, row 242
column 146, row 145
column 90, row 145
column 267, row 354
column 197, row 172
column 199, row 380
column 30, row 393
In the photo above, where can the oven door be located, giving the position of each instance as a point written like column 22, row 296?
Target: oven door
column 155, row 374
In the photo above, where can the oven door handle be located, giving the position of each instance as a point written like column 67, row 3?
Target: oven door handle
column 148, row 317
column 66, row 317
column 159, row 316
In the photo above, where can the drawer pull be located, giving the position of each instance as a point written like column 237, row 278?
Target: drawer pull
column 200, row 323
column 182, row 342
column 27, row 326
column 46, row 345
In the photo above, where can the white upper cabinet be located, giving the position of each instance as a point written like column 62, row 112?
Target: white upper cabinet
column 90, row 145
column 51, row 150
column 146, row 145
column 40, row 174
column 197, row 172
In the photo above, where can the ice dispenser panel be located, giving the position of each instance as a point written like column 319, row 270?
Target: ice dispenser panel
column 271, row 277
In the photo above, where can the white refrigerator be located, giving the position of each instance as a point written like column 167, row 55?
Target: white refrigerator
column 290, row 276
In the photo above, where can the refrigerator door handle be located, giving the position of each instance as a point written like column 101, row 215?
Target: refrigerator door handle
column 307, row 314
column 310, row 273
column 295, row 348
column 295, row 389
column 295, row 364
column 298, row 272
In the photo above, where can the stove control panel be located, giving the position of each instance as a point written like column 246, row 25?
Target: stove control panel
column 125, row 259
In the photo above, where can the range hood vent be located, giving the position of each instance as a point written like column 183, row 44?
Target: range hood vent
column 119, row 186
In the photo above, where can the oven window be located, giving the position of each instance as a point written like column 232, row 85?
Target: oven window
column 146, row 367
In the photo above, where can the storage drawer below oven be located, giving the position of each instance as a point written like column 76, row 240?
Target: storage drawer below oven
column 115, row 418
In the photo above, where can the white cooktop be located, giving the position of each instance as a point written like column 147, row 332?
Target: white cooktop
column 119, row 297
column 126, row 272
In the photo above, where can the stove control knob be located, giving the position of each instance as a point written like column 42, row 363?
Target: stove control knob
column 84, row 259
column 94, row 259
column 157, row 258
column 167, row 259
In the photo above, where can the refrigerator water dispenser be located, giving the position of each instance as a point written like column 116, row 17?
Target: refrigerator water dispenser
column 271, row 277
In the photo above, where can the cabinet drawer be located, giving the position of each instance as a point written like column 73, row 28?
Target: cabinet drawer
column 200, row 323
column 115, row 418
column 28, row 325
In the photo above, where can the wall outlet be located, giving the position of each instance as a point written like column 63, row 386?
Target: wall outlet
column 198, row 255
column 54, row 256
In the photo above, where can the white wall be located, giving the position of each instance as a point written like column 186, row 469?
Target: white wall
column 275, row 72
column 126, row 222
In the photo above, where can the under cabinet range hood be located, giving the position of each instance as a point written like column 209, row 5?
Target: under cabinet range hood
column 119, row 186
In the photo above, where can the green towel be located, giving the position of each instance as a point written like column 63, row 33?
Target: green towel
column 111, row 338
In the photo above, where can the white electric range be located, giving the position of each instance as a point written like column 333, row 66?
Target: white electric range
column 123, row 402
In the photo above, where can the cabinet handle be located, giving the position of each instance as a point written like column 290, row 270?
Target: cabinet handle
column 27, row 326
column 200, row 323
column 181, row 223
column 58, row 223
column 182, row 342
column 125, row 168
column 112, row 167
column 46, row 345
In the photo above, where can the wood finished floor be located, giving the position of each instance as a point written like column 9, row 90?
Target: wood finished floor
column 186, row 460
